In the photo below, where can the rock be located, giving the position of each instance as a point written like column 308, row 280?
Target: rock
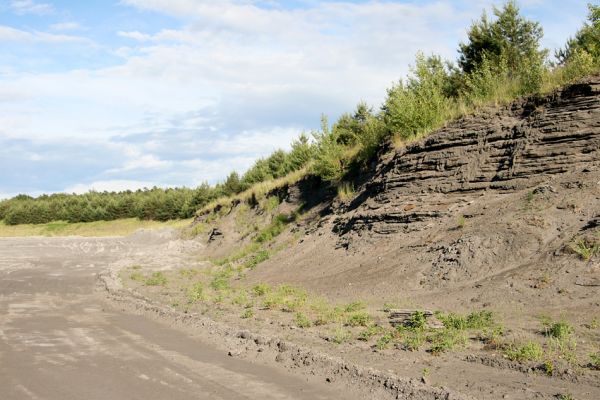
column 215, row 234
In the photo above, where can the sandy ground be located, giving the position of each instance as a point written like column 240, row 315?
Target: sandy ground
column 60, row 339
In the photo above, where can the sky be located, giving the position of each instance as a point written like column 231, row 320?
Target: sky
column 115, row 95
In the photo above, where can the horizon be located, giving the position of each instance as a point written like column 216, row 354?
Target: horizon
column 145, row 93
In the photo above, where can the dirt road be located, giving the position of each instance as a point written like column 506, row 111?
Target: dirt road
column 60, row 340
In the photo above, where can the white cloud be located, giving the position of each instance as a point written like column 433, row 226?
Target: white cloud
column 21, row 7
column 233, row 82
column 135, row 35
column 109, row 185
column 66, row 26
column 10, row 34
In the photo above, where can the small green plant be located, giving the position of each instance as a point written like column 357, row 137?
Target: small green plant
column 219, row 283
column 565, row 396
column 585, row 248
column 271, row 203
column 341, row 335
column 559, row 330
column 345, row 191
column 461, row 222
column 530, row 351
column 384, row 341
column 564, row 348
column 413, row 340
column 369, row 332
column 274, row 229
column 446, row 340
column 257, row 258
column 595, row 360
column 261, row 289
column 248, row 313
column 548, row 367
column 196, row 292
column 302, row 320
column 355, row 306
column 359, row 318
column 156, row 279
column 417, row 320
column 137, row 277
column 240, row 298
column 475, row 320
column 594, row 323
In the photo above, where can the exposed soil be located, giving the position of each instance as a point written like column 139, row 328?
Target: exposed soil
column 483, row 214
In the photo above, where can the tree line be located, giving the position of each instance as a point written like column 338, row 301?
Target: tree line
column 502, row 59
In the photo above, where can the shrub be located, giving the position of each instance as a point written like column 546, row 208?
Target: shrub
column 559, row 330
column 530, row 351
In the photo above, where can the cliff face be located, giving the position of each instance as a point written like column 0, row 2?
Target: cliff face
column 512, row 148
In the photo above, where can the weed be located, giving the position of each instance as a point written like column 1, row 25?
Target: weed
column 564, row 348
column 188, row 273
column 413, row 340
column 156, row 279
column 274, row 229
column 586, row 248
column 446, row 340
column 474, row 320
column 136, row 267
column 492, row 337
column 595, row 360
column 565, row 396
column 359, row 318
column 240, row 298
column 261, row 289
column 271, row 203
column 220, row 283
column 530, row 351
column 256, row 259
column 461, row 222
column 137, row 277
column 384, row 341
column 248, row 313
column 196, row 292
column 302, row 320
column 548, row 367
column 594, row 323
column 355, row 306
column 559, row 330
column 369, row 332
column 345, row 191
column 417, row 320
column 341, row 335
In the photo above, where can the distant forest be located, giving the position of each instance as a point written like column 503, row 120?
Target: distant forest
column 500, row 61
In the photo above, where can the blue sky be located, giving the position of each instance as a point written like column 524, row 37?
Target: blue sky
column 113, row 95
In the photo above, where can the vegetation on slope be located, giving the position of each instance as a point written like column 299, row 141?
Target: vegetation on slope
column 500, row 61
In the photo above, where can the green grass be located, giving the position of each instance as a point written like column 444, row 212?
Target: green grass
column 530, row 351
column 595, row 360
column 196, row 292
column 156, row 279
column 119, row 227
column 302, row 321
column 345, row 191
column 586, row 248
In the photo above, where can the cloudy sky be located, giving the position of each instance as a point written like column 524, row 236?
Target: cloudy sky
column 110, row 95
